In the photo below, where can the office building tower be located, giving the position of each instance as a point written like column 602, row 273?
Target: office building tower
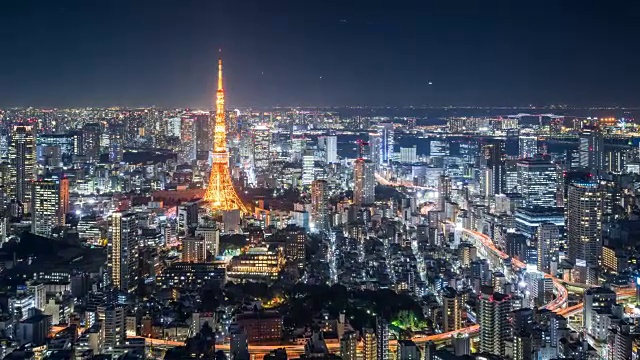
column 308, row 167
column 615, row 160
column 493, row 317
column 494, row 160
column 527, row 147
column 591, row 149
column 452, row 306
column 320, row 205
column 211, row 236
column 375, row 148
column 408, row 155
column 382, row 338
column 91, row 140
column 584, row 223
column 331, row 149
column 386, row 142
column 122, row 251
column 22, row 156
column 369, row 344
column 194, row 249
column 261, row 141
column 238, row 344
column 548, row 241
column 203, row 133
column 50, row 205
column 596, row 300
column 112, row 318
column 537, row 181
column 294, row 247
column 408, row 350
column 348, row 345
column 444, row 191
column 365, row 182
column 188, row 142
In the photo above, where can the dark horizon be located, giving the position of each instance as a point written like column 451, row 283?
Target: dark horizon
column 319, row 54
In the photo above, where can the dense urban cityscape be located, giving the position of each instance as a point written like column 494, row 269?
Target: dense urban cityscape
column 319, row 180
column 318, row 233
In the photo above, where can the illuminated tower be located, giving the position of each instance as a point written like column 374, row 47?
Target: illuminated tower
column 122, row 251
column 22, row 155
column 220, row 193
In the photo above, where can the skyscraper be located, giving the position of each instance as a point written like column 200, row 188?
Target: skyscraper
column 331, row 149
column 386, row 142
column 50, row 204
column 364, row 179
column 261, row 136
column 548, row 236
column 375, row 148
column 493, row 317
column 537, row 181
column 22, row 155
column 122, row 251
column 444, row 191
column 494, row 160
column 584, row 223
column 591, row 149
column 203, row 131
column 320, row 205
column 308, row 167
column 528, row 146
column 91, row 140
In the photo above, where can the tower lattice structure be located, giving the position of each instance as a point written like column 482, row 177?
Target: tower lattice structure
column 220, row 193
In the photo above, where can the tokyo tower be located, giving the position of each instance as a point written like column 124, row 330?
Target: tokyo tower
column 220, row 193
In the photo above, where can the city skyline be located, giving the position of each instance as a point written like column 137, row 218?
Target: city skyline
column 319, row 54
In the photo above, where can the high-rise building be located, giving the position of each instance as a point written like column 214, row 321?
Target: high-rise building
column 308, row 167
column 187, row 217
column 114, row 329
column 408, row 155
column 584, row 223
column 387, row 141
column 494, row 161
column 548, row 236
column 22, row 156
column 527, row 146
column 493, row 317
column 364, row 179
column 369, row 344
column 331, row 149
column 261, row 136
column 452, row 306
column 194, row 249
column 294, row 248
column 91, row 140
column 382, row 338
column 591, row 149
column 122, row 251
column 188, row 142
column 595, row 300
column 320, row 205
column 348, row 345
column 375, row 148
column 444, row 191
column 211, row 237
column 537, row 181
column 203, row 131
column 50, row 205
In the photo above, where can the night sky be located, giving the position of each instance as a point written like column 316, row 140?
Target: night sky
column 319, row 53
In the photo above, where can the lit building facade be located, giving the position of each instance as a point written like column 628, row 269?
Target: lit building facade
column 50, row 205
column 365, row 182
column 22, row 156
column 584, row 223
column 122, row 251
column 537, row 181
